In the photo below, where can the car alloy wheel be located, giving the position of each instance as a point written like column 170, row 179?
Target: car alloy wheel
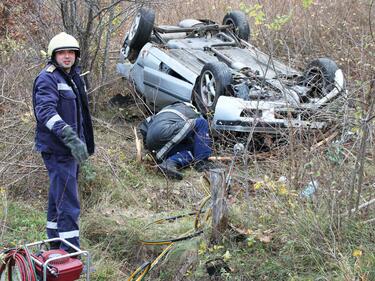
column 238, row 20
column 315, row 78
column 208, row 88
column 141, row 29
column 211, row 84
column 134, row 27
column 320, row 77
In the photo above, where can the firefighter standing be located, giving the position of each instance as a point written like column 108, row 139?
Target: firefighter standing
column 64, row 134
column 178, row 136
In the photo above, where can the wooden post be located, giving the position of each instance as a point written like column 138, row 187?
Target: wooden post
column 219, row 204
column 138, row 145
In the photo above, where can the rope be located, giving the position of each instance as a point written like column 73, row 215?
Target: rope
column 147, row 266
column 141, row 271
column 20, row 259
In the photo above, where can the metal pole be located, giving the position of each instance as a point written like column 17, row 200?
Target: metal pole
column 237, row 148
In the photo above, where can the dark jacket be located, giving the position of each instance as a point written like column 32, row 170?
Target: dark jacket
column 168, row 127
column 60, row 99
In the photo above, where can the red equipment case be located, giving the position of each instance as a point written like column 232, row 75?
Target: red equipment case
column 58, row 265
column 64, row 268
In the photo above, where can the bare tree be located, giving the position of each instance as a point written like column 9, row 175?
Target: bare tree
column 88, row 20
column 94, row 22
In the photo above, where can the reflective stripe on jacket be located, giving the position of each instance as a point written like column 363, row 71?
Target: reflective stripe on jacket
column 169, row 127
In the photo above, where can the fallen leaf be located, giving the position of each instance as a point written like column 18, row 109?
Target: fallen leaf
column 357, row 253
column 283, row 190
column 227, row 256
column 265, row 238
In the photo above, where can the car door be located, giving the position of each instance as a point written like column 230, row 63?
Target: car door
column 162, row 89
column 165, row 79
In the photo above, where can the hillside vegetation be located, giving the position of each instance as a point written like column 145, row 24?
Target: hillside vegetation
column 276, row 234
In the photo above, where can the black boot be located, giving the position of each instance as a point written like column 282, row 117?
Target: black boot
column 204, row 165
column 169, row 168
column 54, row 245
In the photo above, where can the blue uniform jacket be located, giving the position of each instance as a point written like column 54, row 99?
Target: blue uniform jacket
column 60, row 99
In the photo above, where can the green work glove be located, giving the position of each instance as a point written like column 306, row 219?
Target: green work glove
column 77, row 147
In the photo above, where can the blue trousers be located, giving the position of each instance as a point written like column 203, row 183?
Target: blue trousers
column 196, row 146
column 63, row 202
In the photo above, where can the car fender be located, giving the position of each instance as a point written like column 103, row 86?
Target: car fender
column 340, row 86
column 123, row 69
column 155, row 56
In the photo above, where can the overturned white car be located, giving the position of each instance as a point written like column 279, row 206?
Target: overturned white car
column 236, row 85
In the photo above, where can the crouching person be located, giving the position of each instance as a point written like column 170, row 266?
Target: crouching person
column 178, row 136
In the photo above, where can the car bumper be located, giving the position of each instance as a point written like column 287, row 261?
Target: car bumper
column 235, row 114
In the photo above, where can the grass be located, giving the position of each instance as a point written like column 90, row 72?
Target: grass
column 287, row 238
column 301, row 246
column 22, row 223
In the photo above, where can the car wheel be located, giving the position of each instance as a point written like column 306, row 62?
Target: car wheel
column 212, row 82
column 139, row 33
column 239, row 22
column 126, row 52
column 320, row 77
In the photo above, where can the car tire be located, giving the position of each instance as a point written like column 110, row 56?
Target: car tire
column 211, row 84
column 320, row 77
column 138, row 35
column 126, row 52
column 240, row 23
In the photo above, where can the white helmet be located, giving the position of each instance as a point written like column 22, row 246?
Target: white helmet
column 63, row 41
